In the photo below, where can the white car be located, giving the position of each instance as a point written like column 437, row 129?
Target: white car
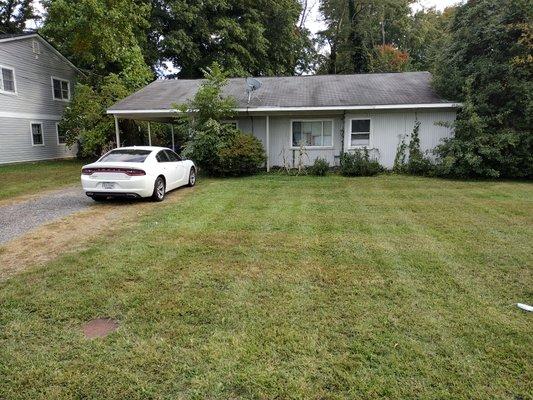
column 138, row 171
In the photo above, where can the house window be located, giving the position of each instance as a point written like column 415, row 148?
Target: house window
column 61, row 134
column 360, row 133
column 7, row 81
column 312, row 133
column 61, row 89
column 37, row 134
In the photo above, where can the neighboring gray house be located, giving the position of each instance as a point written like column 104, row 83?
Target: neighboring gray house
column 329, row 114
column 36, row 84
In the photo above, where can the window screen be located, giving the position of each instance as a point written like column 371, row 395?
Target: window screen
column 360, row 133
column 37, row 134
column 312, row 133
column 8, row 80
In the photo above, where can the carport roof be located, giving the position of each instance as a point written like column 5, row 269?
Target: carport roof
column 388, row 90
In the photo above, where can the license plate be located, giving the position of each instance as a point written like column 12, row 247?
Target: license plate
column 108, row 185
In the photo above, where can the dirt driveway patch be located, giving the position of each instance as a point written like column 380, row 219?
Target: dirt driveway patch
column 74, row 232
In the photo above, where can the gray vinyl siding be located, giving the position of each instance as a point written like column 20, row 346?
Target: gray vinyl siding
column 387, row 127
column 33, row 101
column 16, row 141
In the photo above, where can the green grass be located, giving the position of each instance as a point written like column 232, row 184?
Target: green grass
column 289, row 287
column 33, row 177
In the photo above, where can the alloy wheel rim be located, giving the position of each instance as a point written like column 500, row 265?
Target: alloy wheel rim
column 160, row 189
column 192, row 179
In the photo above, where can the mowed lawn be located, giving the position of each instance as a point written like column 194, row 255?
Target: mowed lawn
column 288, row 287
column 33, row 177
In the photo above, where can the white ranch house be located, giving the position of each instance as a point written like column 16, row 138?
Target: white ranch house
column 328, row 114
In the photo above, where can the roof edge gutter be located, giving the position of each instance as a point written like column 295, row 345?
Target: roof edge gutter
column 286, row 109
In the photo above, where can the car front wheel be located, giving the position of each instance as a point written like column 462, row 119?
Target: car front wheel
column 192, row 177
column 159, row 189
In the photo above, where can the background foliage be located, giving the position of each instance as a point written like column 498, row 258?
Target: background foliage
column 218, row 149
column 480, row 53
column 487, row 62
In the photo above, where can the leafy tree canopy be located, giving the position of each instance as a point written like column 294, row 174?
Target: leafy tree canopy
column 259, row 37
column 487, row 62
column 100, row 36
column 218, row 149
column 14, row 14
column 355, row 27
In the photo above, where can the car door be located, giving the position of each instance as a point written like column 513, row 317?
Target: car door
column 178, row 168
column 165, row 166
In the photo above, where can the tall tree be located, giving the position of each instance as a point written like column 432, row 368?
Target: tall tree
column 487, row 62
column 103, row 38
column 14, row 14
column 258, row 37
column 425, row 36
column 354, row 28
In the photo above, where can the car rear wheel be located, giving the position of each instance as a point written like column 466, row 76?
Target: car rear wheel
column 159, row 189
column 192, row 177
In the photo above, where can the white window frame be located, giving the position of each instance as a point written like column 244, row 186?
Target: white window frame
column 292, row 147
column 370, row 133
column 61, row 80
column 31, row 133
column 15, row 93
column 57, row 136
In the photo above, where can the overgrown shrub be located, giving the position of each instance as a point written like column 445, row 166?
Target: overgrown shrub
column 319, row 168
column 400, row 159
column 417, row 163
column 242, row 154
column 217, row 149
column 222, row 150
column 359, row 163
column 486, row 64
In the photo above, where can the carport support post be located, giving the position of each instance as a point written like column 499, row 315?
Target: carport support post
column 268, row 142
column 172, row 131
column 149, row 135
column 117, row 131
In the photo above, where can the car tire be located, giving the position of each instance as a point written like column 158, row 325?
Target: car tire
column 192, row 177
column 159, row 189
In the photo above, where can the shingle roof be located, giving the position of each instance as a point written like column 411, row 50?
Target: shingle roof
column 14, row 35
column 296, row 91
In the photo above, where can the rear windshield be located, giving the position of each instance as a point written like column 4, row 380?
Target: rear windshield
column 126, row 156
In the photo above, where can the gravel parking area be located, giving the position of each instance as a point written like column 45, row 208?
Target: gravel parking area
column 16, row 219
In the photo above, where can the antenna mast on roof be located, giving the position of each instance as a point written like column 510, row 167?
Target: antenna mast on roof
column 252, row 84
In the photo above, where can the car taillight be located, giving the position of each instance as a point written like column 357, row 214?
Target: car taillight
column 127, row 171
column 134, row 172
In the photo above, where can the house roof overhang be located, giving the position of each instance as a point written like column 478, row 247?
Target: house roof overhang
column 168, row 115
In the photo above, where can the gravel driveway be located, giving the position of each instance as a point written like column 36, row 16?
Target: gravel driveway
column 16, row 219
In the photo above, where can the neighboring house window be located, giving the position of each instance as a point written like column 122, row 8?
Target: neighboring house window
column 360, row 133
column 61, row 135
column 7, row 81
column 61, row 89
column 37, row 134
column 312, row 133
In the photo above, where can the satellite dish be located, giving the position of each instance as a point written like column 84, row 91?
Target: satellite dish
column 252, row 84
